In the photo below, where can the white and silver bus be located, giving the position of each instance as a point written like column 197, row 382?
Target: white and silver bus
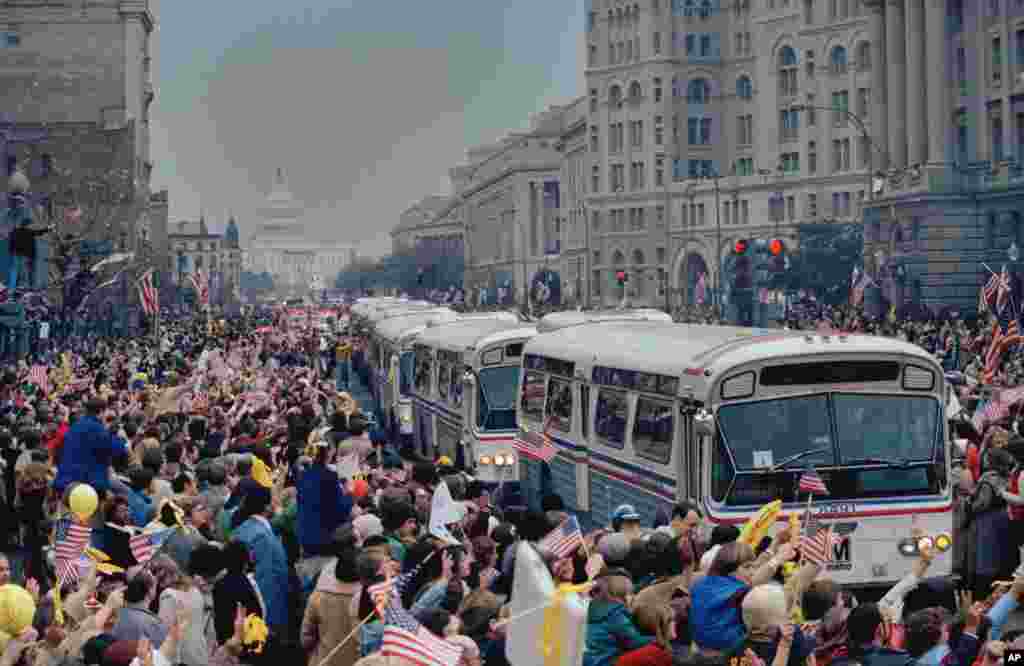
column 651, row 414
column 565, row 318
column 464, row 394
column 392, row 338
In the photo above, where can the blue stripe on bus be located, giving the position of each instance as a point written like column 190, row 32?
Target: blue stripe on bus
column 445, row 411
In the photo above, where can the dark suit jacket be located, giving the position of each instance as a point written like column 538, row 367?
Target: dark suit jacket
column 228, row 592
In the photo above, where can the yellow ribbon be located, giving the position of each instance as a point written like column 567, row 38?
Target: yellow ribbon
column 552, row 639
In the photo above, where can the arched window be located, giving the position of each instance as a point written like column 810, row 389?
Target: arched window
column 618, row 258
column 744, row 88
column 838, row 60
column 638, row 257
column 698, row 92
column 635, row 93
column 864, row 55
column 690, row 8
column 615, row 97
column 705, row 9
column 787, row 72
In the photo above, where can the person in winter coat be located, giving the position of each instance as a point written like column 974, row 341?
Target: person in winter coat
column 237, row 588
column 328, row 619
column 89, row 448
column 657, row 621
column 610, row 628
column 323, row 506
column 271, row 561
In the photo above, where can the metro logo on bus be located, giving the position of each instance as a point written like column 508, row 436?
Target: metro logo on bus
column 842, row 551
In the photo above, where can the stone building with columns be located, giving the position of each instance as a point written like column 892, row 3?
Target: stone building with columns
column 712, row 121
column 949, row 198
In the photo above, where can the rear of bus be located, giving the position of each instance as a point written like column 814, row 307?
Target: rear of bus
column 867, row 414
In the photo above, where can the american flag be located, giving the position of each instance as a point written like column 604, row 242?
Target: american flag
column 701, row 291
column 989, row 292
column 406, row 638
column 38, row 376
column 994, row 355
column 1003, row 290
column 201, row 284
column 70, row 541
column 811, row 482
column 148, row 294
column 817, row 542
column 537, row 445
column 563, row 540
column 145, row 545
column 200, row 401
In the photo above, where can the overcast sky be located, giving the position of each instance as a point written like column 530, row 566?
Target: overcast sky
column 365, row 104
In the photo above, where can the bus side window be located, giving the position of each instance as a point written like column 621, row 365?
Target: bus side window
column 559, row 404
column 693, row 482
column 585, row 412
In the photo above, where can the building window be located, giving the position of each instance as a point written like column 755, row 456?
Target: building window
column 863, row 101
column 997, row 60
column 1019, row 42
column 698, row 92
column 699, row 131
column 787, row 72
column 812, row 205
column 745, row 130
column 636, row 93
column 744, row 88
column 659, row 130
column 960, row 122
column 791, row 208
column 615, row 97
column 725, row 213
column 11, row 39
column 636, row 133
column 789, row 125
column 691, row 45
column 593, row 138
column 745, row 166
column 657, row 89
column 677, row 90
column 996, row 123
column 812, row 157
column 745, row 210
column 838, row 61
column 705, row 46
column 809, row 12
column 961, row 69
column 863, row 56
column 659, row 171
column 841, row 108
column 596, row 226
column 593, row 100
column 595, row 179
column 591, row 21
column 591, row 55
column 790, row 163
column 864, row 150
column 656, row 43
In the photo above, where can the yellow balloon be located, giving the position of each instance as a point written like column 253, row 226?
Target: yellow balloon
column 17, row 608
column 83, row 501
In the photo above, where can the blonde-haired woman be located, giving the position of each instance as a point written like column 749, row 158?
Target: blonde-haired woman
column 183, row 598
column 658, row 620
column 766, row 615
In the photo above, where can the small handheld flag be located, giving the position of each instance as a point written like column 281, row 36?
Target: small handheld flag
column 811, row 482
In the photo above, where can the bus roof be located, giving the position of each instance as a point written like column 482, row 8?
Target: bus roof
column 559, row 320
column 393, row 328
column 463, row 336
column 398, row 310
column 698, row 352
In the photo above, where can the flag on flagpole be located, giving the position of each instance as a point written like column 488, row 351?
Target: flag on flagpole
column 701, row 291
column 70, row 541
column 563, row 540
column 811, row 482
column 988, row 293
column 816, row 544
column 145, row 545
column 1003, row 290
column 148, row 294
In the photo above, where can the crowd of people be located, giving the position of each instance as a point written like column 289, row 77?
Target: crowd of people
column 248, row 512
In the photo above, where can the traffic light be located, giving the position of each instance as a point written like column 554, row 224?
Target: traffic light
column 741, row 247
column 622, row 278
column 778, row 249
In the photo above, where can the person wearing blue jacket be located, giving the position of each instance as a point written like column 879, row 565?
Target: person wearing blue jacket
column 610, row 629
column 89, row 448
column 324, row 506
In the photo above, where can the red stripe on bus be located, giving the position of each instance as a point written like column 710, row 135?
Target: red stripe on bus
column 874, row 513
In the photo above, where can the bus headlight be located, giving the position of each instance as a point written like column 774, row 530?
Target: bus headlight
column 485, row 460
column 510, row 460
column 499, row 460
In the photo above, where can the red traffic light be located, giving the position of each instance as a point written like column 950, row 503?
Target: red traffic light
column 621, row 276
column 777, row 247
column 741, row 247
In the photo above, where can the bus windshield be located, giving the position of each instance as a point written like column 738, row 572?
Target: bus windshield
column 406, row 363
column 497, row 398
column 867, row 446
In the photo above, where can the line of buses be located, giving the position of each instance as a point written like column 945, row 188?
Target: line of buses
column 648, row 412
